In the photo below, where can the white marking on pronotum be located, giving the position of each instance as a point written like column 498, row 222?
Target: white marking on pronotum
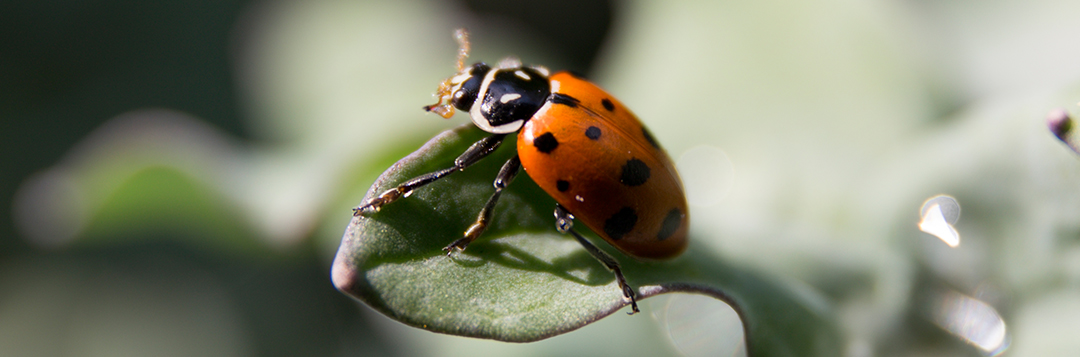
column 461, row 78
column 522, row 74
column 506, row 98
column 479, row 107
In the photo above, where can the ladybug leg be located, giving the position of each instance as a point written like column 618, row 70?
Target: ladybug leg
column 506, row 174
column 564, row 222
column 474, row 153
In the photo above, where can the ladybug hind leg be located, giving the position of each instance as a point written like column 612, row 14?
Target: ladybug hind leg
column 506, row 174
column 564, row 223
column 474, row 153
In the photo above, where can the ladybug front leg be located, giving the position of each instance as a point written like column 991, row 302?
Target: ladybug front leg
column 564, row 222
column 506, row 174
column 474, row 153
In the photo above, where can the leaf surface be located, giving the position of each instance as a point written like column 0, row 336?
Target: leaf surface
column 522, row 280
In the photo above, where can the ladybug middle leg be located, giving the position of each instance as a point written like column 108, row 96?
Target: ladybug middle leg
column 474, row 153
column 564, row 222
column 506, row 174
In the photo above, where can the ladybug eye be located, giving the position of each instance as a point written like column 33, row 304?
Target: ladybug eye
column 465, row 94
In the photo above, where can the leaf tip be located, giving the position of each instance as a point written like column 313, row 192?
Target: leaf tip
column 342, row 273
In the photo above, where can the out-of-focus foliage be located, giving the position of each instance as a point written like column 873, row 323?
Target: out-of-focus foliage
column 827, row 123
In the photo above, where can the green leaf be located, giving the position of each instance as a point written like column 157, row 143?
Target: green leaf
column 522, row 280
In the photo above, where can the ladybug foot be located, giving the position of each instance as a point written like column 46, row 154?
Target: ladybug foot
column 628, row 293
column 471, row 234
column 459, row 244
column 368, row 209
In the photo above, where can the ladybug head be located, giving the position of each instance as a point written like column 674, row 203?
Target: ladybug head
column 466, row 86
column 459, row 91
column 499, row 99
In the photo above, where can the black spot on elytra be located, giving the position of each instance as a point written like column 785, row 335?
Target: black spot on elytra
column 592, row 133
column 620, row 223
column 560, row 98
column 670, row 225
column 546, row 143
column 649, row 138
column 562, row 186
column 634, row 173
column 608, row 104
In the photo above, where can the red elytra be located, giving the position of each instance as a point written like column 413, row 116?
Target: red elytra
column 596, row 159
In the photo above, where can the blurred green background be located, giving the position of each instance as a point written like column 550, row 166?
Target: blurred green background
column 176, row 175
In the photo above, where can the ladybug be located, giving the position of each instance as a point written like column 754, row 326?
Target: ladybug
column 579, row 144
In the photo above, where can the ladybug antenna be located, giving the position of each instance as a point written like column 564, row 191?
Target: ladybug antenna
column 443, row 107
column 462, row 37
